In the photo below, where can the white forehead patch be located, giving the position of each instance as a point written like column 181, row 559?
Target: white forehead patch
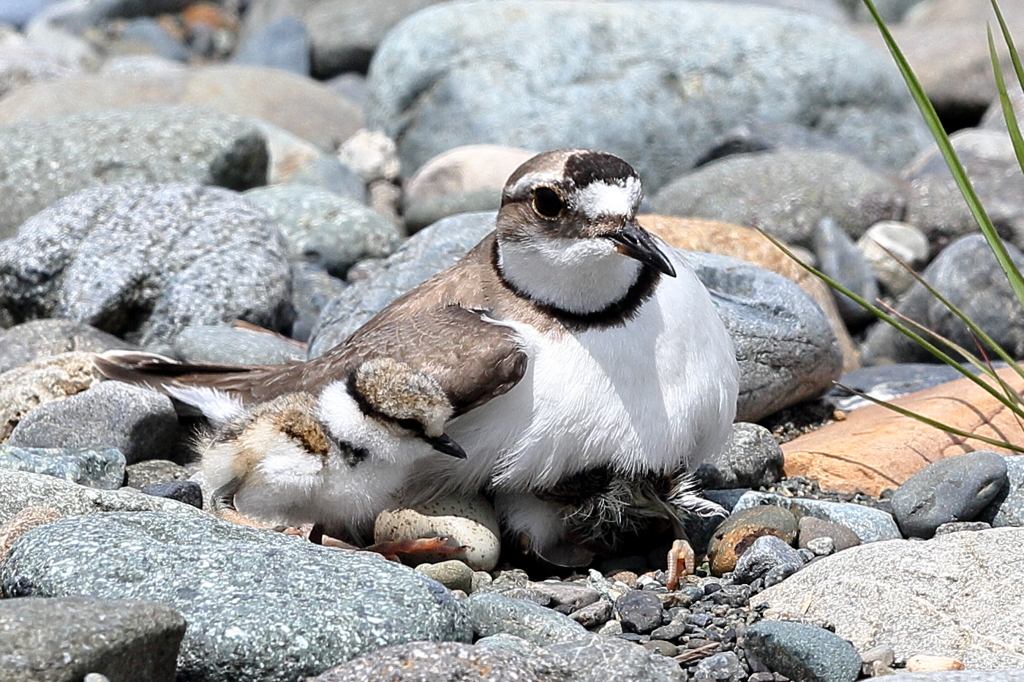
column 609, row 199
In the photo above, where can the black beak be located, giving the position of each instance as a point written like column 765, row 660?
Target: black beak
column 445, row 444
column 636, row 242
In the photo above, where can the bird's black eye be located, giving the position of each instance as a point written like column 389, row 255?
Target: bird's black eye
column 547, row 203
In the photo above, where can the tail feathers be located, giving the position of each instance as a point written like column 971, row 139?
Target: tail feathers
column 685, row 496
column 186, row 383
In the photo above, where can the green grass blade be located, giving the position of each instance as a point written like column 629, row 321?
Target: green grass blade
column 1008, row 39
column 949, row 154
column 1004, row 98
column 937, row 424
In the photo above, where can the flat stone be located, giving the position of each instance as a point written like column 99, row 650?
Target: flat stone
column 25, row 342
column 224, row 345
column 145, row 261
column 22, row 489
column 491, row 614
column 260, row 605
column 769, row 558
column 930, row 603
column 153, row 144
column 51, row 640
column 786, row 193
column 870, row 525
column 886, row 382
column 639, row 611
column 875, row 448
column 743, row 527
column 813, row 528
column 138, row 422
column 682, row 72
column 104, row 469
column 952, row 489
column 803, row 652
column 574, row 595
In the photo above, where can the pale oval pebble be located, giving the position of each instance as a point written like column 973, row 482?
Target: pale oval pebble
column 925, row 663
column 468, row 521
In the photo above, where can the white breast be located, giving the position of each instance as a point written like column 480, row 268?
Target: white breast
column 650, row 395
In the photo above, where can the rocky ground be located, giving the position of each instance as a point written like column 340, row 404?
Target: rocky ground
column 169, row 168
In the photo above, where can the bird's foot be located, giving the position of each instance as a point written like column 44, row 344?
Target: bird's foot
column 416, row 550
column 681, row 562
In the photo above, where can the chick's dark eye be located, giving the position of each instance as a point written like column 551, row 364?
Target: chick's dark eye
column 547, row 202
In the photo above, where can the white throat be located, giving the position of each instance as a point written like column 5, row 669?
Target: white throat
column 577, row 275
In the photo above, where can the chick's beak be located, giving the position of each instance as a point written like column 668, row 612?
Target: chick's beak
column 446, row 445
column 636, row 242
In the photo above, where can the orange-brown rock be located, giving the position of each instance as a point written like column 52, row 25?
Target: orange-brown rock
column 21, row 523
column 712, row 236
column 875, row 448
column 738, row 532
column 926, row 663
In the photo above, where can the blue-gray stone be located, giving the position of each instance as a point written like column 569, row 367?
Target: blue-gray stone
column 967, row 274
column 870, row 525
column 492, row 613
column 786, row 349
column 327, row 229
column 840, row 259
column 224, row 345
column 153, row 35
column 724, row 666
column 595, row 658
column 312, row 289
column 259, row 605
column 140, row 423
column 25, row 342
column 803, row 652
column 886, row 382
column 104, row 469
column 950, row 489
column 158, row 143
column 1007, row 509
column 786, row 193
column 282, row 44
column 186, row 492
column 751, row 459
column 65, row 638
column 674, row 76
column 639, row 611
column 768, row 554
column 19, row 12
column 146, row 261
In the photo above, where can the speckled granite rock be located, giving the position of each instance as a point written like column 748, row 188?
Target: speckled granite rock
column 144, row 261
column 104, row 469
column 259, row 605
column 39, row 338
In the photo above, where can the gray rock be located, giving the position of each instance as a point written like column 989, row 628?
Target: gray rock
column 593, row 615
column 962, row 527
column 1007, row 509
column 768, row 556
column 840, row 259
column 282, row 44
column 224, row 345
column 913, row 596
column 150, row 144
column 420, row 661
column 453, row 574
column 22, row 63
column 886, row 382
column 951, row 489
column 935, row 204
column 785, row 193
column 312, row 289
column 145, row 261
column 103, row 469
column 324, row 228
column 140, row 423
column 21, row 489
column 494, row 613
column 889, row 247
column 822, row 546
column 19, row 12
column 574, row 595
column 784, row 344
column 722, row 666
column 350, row 85
column 259, row 605
column 968, row 275
column 870, row 525
column 346, row 33
column 751, row 459
column 51, row 640
column 148, row 35
column 639, row 611
column 186, row 492
column 891, row 11
column 429, row 251
column 678, row 72
column 38, row 338
column 153, row 471
column 803, row 652
column 960, row 676
column 596, row 658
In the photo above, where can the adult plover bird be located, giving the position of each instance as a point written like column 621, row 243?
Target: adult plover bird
column 334, row 460
column 568, row 341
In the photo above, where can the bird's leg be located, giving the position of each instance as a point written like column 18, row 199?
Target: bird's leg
column 223, row 503
column 681, row 562
column 396, row 550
